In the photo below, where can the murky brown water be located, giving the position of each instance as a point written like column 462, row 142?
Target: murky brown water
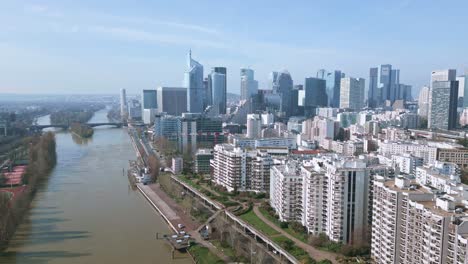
column 86, row 213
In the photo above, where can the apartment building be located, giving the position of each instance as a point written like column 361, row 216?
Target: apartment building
column 414, row 223
column 327, row 194
column 418, row 149
column 286, row 191
column 406, row 163
column 238, row 169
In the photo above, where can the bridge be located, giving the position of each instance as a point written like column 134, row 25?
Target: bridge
column 40, row 127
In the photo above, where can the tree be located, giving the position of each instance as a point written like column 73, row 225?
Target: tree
column 154, row 167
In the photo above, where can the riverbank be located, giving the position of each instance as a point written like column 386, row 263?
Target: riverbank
column 14, row 203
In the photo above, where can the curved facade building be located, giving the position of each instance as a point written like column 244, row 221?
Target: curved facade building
column 193, row 81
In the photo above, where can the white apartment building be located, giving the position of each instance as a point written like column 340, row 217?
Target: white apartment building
column 254, row 126
column 244, row 142
column 331, row 193
column 286, row 191
column 345, row 148
column 319, row 128
column 413, row 224
column 406, row 163
column 418, row 149
column 238, row 169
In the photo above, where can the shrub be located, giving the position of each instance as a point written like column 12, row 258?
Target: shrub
column 284, row 225
column 297, row 227
column 319, row 241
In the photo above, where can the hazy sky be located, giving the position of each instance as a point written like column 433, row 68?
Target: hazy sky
column 91, row 46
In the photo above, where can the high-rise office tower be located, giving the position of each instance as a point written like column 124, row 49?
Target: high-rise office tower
column 423, row 101
column 218, row 82
column 463, row 89
column 373, row 96
column 297, row 88
column 194, row 84
column 443, row 75
column 321, row 74
column 150, row 105
column 333, row 82
column 352, row 93
column 123, row 103
column 283, row 86
column 443, row 105
column 385, row 75
column 172, row 100
column 394, row 84
column 213, row 93
column 315, row 94
column 249, row 86
column 149, row 98
column 328, row 77
column 208, row 92
column 403, row 92
column 272, row 79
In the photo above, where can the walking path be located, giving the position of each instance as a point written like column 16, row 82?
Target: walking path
column 171, row 212
column 313, row 252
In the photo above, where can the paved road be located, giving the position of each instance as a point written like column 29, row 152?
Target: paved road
column 313, row 252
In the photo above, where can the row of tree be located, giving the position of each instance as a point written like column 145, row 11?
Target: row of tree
column 66, row 117
column 42, row 159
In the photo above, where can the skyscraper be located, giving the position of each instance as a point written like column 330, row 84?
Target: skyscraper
column 443, row 105
column 321, row 74
column 463, row 89
column 172, row 100
column 423, row 101
column 272, row 79
column 123, row 103
column 211, row 94
column 373, row 96
column 150, row 105
column 249, row 86
column 394, row 84
column 283, row 86
column 352, row 93
column 218, row 82
column 443, row 75
column 333, row 82
column 194, row 84
column 149, row 98
column 315, row 93
column 385, row 73
column 208, row 92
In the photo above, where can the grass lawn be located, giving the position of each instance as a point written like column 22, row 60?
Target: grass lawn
column 202, row 255
column 251, row 218
column 301, row 236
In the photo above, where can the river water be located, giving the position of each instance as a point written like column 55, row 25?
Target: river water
column 86, row 213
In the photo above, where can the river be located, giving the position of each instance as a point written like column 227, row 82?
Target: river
column 86, row 213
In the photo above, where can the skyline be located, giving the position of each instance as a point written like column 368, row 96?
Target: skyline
column 88, row 47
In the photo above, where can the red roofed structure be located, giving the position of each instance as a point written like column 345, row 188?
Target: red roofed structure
column 15, row 176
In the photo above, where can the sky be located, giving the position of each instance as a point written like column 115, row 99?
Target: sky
column 91, row 46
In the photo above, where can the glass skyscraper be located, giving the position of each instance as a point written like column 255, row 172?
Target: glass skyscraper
column 283, row 86
column 193, row 81
column 218, row 82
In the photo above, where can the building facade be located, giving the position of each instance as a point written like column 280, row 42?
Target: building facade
column 193, row 80
column 172, row 100
column 352, row 93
